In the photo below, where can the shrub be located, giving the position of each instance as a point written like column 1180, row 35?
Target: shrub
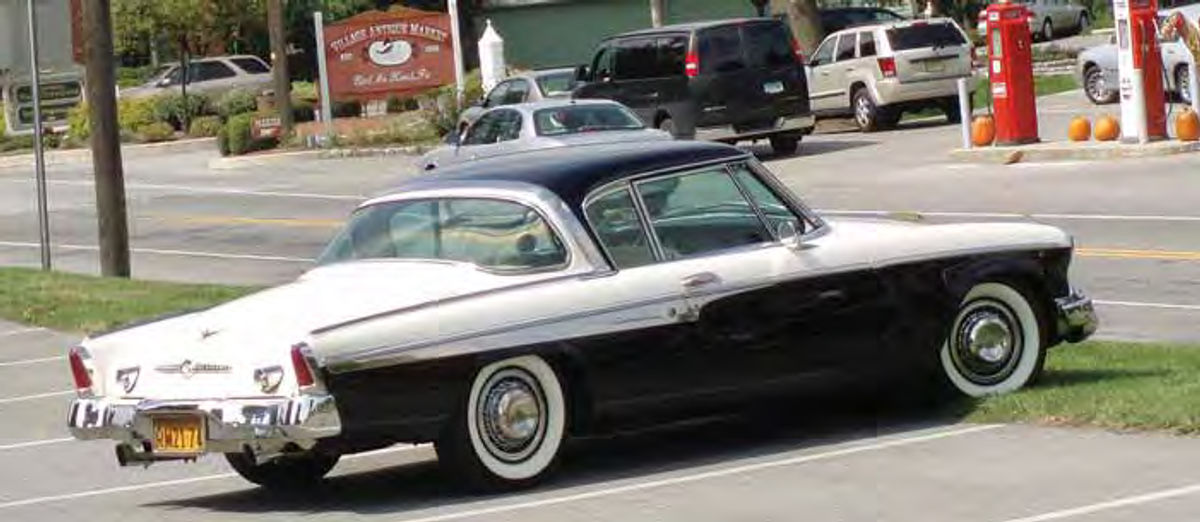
column 223, row 140
column 349, row 109
column 205, row 127
column 18, row 142
column 440, row 111
column 172, row 108
column 3, row 125
column 239, row 139
column 232, row 103
column 79, row 126
column 135, row 113
column 156, row 132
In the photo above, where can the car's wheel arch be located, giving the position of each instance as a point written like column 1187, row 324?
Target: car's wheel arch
column 1025, row 275
column 660, row 116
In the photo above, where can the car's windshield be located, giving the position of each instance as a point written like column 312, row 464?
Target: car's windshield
column 571, row 119
column 924, row 35
column 491, row 233
column 556, row 84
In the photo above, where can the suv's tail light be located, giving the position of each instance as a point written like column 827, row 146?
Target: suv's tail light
column 691, row 65
column 304, row 372
column 799, row 53
column 78, row 357
column 887, row 66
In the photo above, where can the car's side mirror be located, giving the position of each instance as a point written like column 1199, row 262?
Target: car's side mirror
column 788, row 235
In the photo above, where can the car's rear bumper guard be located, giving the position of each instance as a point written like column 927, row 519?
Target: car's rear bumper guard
column 230, row 425
column 801, row 124
column 1077, row 318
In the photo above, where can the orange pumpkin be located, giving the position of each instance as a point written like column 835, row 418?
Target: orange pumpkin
column 1187, row 125
column 1080, row 129
column 983, row 131
column 1107, row 128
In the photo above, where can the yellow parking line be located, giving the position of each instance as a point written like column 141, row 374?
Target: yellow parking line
column 1126, row 253
column 240, row 220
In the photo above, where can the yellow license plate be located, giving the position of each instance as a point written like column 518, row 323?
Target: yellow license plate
column 935, row 66
column 176, row 435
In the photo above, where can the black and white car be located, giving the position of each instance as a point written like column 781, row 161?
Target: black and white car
column 503, row 306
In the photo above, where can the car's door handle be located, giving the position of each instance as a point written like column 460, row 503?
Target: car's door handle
column 699, row 280
column 831, row 296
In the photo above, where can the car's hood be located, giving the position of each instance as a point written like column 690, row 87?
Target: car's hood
column 888, row 242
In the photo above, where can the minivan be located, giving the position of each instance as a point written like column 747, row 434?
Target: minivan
column 727, row 80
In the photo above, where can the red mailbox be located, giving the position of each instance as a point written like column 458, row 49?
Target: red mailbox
column 1142, row 43
column 1010, row 69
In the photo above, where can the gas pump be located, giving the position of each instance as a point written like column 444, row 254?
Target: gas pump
column 1010, row 69
column 1139, row 63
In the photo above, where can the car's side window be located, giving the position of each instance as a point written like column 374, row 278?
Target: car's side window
column 721, row 49
column 637, row 59
column 614, row 219
column 866, row 44
column 845, row 48
column 496, row 97
column 701, row 212
column 773, row 209
column 484, row 130
column 508, row 126
column 672, row 53
column 824, row 52
column 518, row 91
column 602, row 64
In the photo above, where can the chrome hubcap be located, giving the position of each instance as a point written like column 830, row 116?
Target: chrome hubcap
column 511, row 415
column 1095, row 85
column 863, row 111
column 1185, row 92
column 987, row 342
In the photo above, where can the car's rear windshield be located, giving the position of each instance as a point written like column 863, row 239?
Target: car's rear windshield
column 572, row 119
column 557, row 84
column 768, row 45
column 924, row 35
column 490, row 233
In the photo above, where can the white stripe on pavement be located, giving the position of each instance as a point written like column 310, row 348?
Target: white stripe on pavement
column 31, row 361
column 156, row 251
column 10, row 400
column 178, row 482
column 1010, row 215
column 21, row 331
column 701, row 476
column 34, row 443
column 1111, row 504
column 208, row 190
column 1137, row 304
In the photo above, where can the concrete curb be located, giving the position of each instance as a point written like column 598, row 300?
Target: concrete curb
column 1065, row 151
column 252, row 160
column 75, row 156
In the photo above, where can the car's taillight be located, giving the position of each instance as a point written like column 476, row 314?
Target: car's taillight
column 887, row 66
column 79, row 369
column 799, row 53
column 691, row 65
column 304, row 373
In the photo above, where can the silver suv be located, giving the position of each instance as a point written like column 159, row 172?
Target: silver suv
column 877, row 72
column 211, row 76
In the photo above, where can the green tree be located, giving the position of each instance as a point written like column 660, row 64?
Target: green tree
column 191, row 26
column 805, row 20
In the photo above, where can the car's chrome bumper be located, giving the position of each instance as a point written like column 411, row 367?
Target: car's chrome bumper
column 264, row 425
column 801, row 124
column 1076, row 317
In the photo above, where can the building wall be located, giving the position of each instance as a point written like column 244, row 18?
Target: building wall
column 564, row 33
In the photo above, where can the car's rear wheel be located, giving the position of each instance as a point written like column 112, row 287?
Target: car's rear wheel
column 1095, row 87
column 288, row 472
column 951, row 109
column 867, row 115
column 509, row 431
column 1084, row 23
column 785, row 145
column 995, row 342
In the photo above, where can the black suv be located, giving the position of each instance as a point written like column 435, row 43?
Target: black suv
column 728, row 80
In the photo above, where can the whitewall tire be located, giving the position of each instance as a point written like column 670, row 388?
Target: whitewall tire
column 511, row 428
column 995, row 343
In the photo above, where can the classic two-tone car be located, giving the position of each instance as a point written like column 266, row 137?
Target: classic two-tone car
column 502, row 306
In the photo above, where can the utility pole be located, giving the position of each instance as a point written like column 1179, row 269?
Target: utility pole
column 279, row 65
column 106, row 144
column 658, row 10
column 39, row 160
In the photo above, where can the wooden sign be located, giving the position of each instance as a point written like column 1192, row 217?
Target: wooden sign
column 399, row 52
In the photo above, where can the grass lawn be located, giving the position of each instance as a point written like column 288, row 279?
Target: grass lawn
column 1136, row 386
column 86, row 304
column 981, row 98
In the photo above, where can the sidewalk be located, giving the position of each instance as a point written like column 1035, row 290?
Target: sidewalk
column 73, row 156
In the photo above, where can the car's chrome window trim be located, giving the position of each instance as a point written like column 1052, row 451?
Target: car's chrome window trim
column 558, row 234
column 637, row 208
column 818, row 226
column 762, row 217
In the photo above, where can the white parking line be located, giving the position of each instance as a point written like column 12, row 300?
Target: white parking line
column 1011, row 215
column 34, row 443
column 208, row 190
column 1111, row 504
column 178, row 482
column 1137, row 304
column 21, row 331
column 31, row 361
column 893, row 443
column 36, row 396
column 157, row 251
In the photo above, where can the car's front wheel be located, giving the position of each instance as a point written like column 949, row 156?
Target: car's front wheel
column 288, row 472
column 509, row 430
column 995, row 342
column 1084, row 23
column 1095, row 87
column 1047, row 32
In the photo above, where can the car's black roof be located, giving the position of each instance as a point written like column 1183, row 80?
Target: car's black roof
column 690, row 27
column 573, row 172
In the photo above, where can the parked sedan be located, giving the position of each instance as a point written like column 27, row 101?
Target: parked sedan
column 540, row 125
column 545, row 84
column 507, row 305
column 1048, row 18
column 1097, row 66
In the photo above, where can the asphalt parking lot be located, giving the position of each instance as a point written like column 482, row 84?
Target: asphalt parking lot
column 1138, row 237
